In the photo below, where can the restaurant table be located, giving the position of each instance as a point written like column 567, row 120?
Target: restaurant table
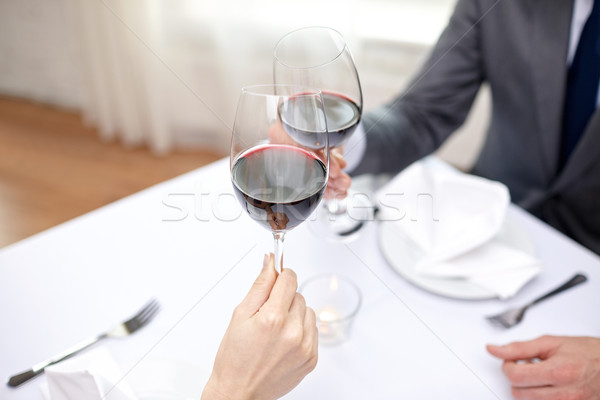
column 188, row 243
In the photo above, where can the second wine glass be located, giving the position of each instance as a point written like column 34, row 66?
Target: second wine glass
column 279, row 156
column 319, row 57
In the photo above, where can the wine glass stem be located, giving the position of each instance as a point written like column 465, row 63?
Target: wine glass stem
column 278, row 236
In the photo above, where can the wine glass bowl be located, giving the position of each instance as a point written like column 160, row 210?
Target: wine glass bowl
column 279, row 156
column 318, row 57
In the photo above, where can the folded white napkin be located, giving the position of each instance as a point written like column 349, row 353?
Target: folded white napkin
column 494, row 266
column 452, row 218
column 93, row 375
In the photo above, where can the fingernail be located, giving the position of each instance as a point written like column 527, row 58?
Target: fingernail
column 266, row 260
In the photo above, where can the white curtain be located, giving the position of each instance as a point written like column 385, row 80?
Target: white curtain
column 167, row 73
column 120, row 81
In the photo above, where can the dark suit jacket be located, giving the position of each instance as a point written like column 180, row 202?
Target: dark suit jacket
column 520, row 48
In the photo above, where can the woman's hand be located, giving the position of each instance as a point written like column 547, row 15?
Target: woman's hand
column 270, row 344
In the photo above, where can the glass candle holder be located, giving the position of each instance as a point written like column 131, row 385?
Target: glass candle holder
column 336, row 300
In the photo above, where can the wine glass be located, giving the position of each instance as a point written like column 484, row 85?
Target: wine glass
column 279, row 156
column 319, row 57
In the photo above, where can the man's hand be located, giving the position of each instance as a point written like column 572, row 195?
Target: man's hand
column 552, row 367
column 270, row 344
column 339, row 181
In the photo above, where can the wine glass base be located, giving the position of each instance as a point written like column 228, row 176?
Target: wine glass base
column 344, row 226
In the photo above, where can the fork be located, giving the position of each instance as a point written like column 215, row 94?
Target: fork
column 513, row 316
column 139, row 320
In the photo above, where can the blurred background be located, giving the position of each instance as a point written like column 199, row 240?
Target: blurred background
column 99, row 99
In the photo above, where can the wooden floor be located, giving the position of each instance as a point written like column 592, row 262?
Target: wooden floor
column 53, row 168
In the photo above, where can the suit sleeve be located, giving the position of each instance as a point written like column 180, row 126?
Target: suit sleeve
column 436, row 102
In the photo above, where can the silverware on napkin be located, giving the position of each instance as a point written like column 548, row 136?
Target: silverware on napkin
column 139, row 320
column 513, row 316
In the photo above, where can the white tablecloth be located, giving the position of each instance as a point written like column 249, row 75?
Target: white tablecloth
column 188, row 243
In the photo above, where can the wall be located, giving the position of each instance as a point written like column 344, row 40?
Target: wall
column 37, row 56
column 390, row 39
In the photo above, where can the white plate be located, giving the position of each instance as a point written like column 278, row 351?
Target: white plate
column 403, row 256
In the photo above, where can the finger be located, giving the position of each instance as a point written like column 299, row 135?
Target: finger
column 310, row 327
column 336, row 164
column 338, row 188
column 341, row 183
column 543, row 393
column 298, row 310
column 338, row 158
column 336, row 192
column 528, row 374
column 283, row 292
column 539, row 347
column 333, row 194
column 261, row 288
column 311, row 336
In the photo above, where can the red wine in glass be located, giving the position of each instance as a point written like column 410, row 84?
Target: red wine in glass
column 279, row 185
column 343, row 116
